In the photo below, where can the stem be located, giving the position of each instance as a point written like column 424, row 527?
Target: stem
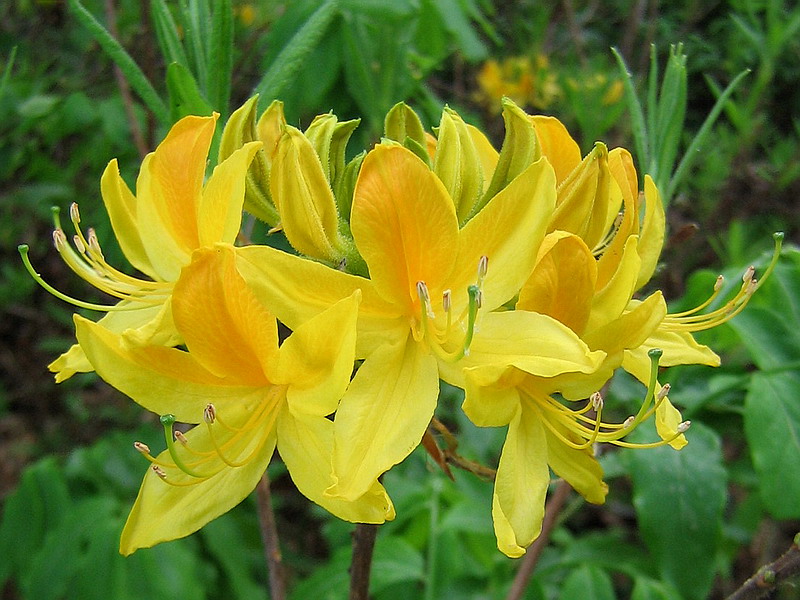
column 363, row 545
column 551, row 511
column 770, row 576
column 433, row 532
column 269, row 535
column 124, row 88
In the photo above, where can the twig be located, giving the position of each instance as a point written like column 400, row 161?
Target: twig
column 269, row 536
column 770, row 576
column 124, row 88
column 551, row 511
column 363, row 545
column 455, row 459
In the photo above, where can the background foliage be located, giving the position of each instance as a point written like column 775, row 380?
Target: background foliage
column 688, row 525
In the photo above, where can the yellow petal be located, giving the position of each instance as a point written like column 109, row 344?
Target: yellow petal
column 490, row 397
column 534, row 343
column 679, row 348
column 224, row 326
column 383, row 415
column 652, row 235
column 163, row 380
column 631, row 329
column 457, row 163
column 579, row 468
column 164, row 512
column 557, row 145
column 316, row 361
column 506, row 539
column 121, row 207
column 667, row 420
column 508, row 231
column 487, row 155
column 304, row 198
column 219, row 213
column 562, row 284
column 611, row 300
column 281, row 282
column 70, row 362
column 166, row 251
column 306, row 446
column 523, row 477
column 177, row 170
column 404, row 224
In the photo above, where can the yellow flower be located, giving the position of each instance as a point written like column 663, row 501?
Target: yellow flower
column 246, row 393
column 417, row 319
column 172, row 214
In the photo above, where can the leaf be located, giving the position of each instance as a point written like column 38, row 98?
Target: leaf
column 293, row 56
column 772, row 428
column 167, row 34
column 587, row 583
column 650, row 589
column 220, row 57
column 184, row 95
column 679, row 497
column 395, row 561
column 134, row 75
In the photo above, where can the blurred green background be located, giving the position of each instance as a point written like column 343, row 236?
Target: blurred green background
column 688, row 525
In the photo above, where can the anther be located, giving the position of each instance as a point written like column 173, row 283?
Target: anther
column 748, row 274
column 483, row 268
column 597, row 401
column 628, row 422
column 719, row 282
column 209, row 414
column 479, row 298
column 59, row 239
column 663, row 392
column 74, row 213
column 181, row 438
column 140, row 447
column 684, row 427
column 79, row 244
column 159, row 471
column 446, row 300
column 425, row 298
column 94, row 244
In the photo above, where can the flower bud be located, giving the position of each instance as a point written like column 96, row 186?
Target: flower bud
column 304, row 199
column 457, row 164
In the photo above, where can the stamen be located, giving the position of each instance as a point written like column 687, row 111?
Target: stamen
column 446, row 300
column 74, row 213
column 23, row 251
column 140, row 447
column 684, row 427
column 209, row 414
column 483, row 268
column 168, row 421
column 78, row 244
column 181, row 438
column 425, row 299
column 159, row 471
column 663, row 392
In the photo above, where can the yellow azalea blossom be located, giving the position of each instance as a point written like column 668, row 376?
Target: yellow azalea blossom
column 247, row 395
column 172, row 214
column 430, row 281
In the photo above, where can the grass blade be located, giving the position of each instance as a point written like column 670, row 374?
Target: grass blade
column 290, row 59
column 220, row 57
column 167, row 34
column 137, row 80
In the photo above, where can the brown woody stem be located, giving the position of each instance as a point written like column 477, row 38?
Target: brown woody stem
column 770, row 576
column 269, row 536
column 363, row 545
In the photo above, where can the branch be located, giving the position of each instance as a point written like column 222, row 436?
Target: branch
column 770, row 576
column 363, row 545
column 450, row 455
column 551, row 511
column 269, row 536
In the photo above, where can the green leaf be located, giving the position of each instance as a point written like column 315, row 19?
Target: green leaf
column 134, row 75
column 195, row 17
column 184, row 95
column 587, row 583
column 640, row 137
column 772, row 427
column 679, row 497
column 650, row 589
column 220, row 58
column 293, row 56
column 395, row 561
column 167, row 34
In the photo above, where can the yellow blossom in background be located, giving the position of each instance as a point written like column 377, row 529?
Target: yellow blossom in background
column 247, row 393
column 525, row 81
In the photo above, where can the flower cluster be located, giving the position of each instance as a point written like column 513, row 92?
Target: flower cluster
column 515, row 275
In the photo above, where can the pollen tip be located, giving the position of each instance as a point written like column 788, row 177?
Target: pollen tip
column 159, row 471
column 628, row 422
column 209, row 413
column 684, row 427
column 74, row 213
column 663, row 392
column 180, row 437
column 141, row 447
column 748, row 274
column 597, row 401
column 718, row 283
column 483, row 267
